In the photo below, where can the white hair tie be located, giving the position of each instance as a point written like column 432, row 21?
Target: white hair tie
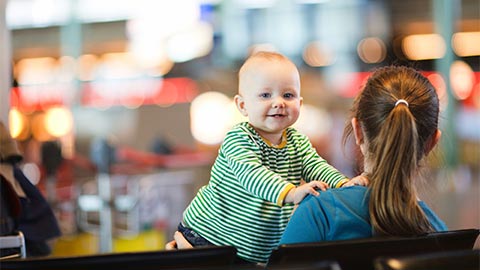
column 401, row 101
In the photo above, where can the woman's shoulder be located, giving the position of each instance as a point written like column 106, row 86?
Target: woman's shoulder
column 353, row 195
column 340, row 208
column 347, row 197
column 437, row 223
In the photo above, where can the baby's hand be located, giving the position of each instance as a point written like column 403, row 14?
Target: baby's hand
column 360, row 180
column 182, row 243
column 179, row 242
column 172, row 245
column 308, row 188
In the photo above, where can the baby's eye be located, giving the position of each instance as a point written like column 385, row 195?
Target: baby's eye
column 265, row 95
column 288, row 95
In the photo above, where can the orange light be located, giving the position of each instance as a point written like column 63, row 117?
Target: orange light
column 466, row 43
column 371, row 50
column 423, row 47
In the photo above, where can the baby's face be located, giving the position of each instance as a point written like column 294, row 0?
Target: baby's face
column 270, row 91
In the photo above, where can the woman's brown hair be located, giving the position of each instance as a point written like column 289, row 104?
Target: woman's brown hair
column 397, row 137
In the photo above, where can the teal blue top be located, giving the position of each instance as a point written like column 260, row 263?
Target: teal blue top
column 338, row 214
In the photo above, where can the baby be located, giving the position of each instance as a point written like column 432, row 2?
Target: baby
column 255, row 180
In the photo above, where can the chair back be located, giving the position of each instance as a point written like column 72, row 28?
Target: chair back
column 450, row 260
column 218, row 257
column 14, row 245
column 360, row 253
column 323, row 265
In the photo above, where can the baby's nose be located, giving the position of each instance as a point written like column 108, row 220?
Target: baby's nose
column 278, row 103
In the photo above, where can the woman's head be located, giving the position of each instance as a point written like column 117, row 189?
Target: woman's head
column 395, row 121
column 375, row 108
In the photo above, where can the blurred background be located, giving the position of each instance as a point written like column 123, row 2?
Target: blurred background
column 119, row 106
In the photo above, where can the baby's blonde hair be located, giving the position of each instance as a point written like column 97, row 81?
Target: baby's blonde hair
column 262, row 56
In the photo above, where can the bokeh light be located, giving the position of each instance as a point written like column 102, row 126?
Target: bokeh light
column 314, row 122
column 18, row 125
column 318, row 54
column 423, row 47
column 371, row 50
column 461, row 79
column 39, row 130
column 58, row 121
column 211, row 116
column 441, row 87
column 466, row 43
column 35, row 70
column 86, row 65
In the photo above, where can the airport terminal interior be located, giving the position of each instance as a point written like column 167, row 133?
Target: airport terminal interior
column 119, row 106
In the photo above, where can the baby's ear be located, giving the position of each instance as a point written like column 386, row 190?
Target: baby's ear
column 240, row 104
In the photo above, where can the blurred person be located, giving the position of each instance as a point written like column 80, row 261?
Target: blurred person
column 256, row 179
column 29, row 211
column 395, row 124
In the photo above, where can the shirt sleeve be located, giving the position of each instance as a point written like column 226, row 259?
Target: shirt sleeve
column 242, row 155
column 317, row 168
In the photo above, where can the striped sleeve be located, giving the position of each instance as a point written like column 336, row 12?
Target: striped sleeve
column 317, row 168
column 243, row 158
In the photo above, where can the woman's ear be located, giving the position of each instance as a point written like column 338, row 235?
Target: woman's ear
column 357, row 131
column 240, row 104
column 432, row 142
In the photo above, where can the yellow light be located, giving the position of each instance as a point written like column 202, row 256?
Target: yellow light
column 466, row 43
column 58, row 121
column 18, row 124
column 423, row 47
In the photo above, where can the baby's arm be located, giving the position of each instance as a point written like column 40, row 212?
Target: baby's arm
column 359, row 180
column 297, row 194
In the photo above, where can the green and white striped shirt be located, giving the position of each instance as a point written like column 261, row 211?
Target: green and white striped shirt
column 242, row 205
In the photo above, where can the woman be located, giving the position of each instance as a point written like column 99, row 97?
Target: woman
column 395, row 124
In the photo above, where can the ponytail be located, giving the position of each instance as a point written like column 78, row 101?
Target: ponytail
column 393, row 205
